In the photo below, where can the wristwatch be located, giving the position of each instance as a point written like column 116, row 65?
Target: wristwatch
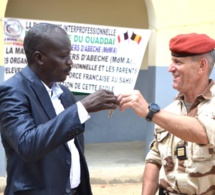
column 153, row 108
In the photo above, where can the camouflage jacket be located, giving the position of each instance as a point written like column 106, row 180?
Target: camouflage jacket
column 186, row 167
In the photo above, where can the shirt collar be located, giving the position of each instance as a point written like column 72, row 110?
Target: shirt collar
column 55, row 90
column 206, row 94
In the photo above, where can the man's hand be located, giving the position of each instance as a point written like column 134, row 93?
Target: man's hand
column 100, row 100
column 134, row 100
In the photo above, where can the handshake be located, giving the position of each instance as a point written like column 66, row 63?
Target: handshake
column 104, row 100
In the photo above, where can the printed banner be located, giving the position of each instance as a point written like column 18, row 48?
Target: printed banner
column 104, row 57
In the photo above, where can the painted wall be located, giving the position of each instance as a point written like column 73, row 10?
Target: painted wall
column 124, row 126
column 168, row 18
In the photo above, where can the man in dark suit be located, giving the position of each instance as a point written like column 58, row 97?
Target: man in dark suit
column 41, row 123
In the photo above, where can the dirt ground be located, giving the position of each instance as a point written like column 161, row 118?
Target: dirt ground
column 115, row 189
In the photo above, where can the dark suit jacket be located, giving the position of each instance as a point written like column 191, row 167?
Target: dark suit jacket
column 38, row 158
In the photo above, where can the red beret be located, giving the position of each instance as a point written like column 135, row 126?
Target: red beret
column 191, row 44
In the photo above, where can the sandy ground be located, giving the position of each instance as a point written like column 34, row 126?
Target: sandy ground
column 115, row 189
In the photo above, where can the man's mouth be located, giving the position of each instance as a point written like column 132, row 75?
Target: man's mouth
column 175, row 76
column 68, row 70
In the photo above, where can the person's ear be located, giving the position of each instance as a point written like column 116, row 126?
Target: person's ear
column 38, row 57
column 203, row 64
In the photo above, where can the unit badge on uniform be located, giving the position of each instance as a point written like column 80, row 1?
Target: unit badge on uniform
column 181, row 152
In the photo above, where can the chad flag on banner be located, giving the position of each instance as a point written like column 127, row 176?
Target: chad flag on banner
column 123, row 37
column 136, row 38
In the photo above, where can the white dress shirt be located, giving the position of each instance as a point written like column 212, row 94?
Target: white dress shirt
column 75, row 171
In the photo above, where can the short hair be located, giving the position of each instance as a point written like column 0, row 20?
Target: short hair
column 210, row 57
column 36, row 36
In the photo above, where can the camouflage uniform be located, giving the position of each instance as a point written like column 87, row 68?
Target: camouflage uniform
column 193, row 172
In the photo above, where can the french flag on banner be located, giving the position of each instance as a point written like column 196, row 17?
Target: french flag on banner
column 123, row 37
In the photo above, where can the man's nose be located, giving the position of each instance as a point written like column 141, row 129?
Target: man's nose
column 69, row 62
column 171, row 67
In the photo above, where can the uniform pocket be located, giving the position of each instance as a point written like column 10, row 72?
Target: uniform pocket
column 201, row 152
column 161, row 134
